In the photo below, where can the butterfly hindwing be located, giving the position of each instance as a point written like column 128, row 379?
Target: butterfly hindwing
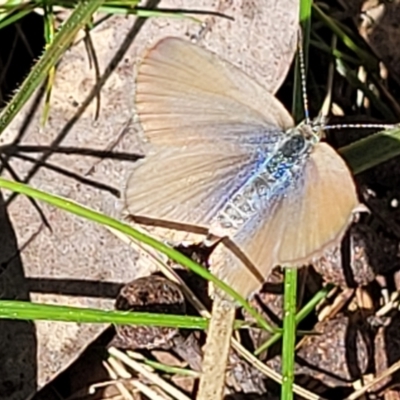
column 187, row 185
column 311, row 216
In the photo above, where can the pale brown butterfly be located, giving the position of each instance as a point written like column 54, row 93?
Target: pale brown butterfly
column 226, row 158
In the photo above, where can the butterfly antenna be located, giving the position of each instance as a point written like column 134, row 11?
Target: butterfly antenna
column 302, row 66
column 362, row 126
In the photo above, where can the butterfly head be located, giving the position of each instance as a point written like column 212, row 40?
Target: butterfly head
column 311, row 132
column 299, row 143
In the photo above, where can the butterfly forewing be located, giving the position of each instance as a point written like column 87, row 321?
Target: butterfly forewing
column 218, row 121
column 186, row 95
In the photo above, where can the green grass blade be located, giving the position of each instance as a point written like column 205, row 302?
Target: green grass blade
column 289, row 333
column 9, row 17
column 95, row 216
column 298, row 111
column 49, row 32
column 320, row 44
column 62, row 40
column 303, row 313
column 372, row 151
column 24, row 310
column 366, row 58
column 305, row 26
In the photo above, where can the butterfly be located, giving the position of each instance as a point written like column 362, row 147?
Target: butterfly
column 226, row 158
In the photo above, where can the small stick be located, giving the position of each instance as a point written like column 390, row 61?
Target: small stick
column 215, row 361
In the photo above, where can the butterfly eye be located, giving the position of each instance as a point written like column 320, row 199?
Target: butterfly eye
column 294, row 146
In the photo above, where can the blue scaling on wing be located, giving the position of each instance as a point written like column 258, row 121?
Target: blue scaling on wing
column 261, row 144
column 274, row 172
